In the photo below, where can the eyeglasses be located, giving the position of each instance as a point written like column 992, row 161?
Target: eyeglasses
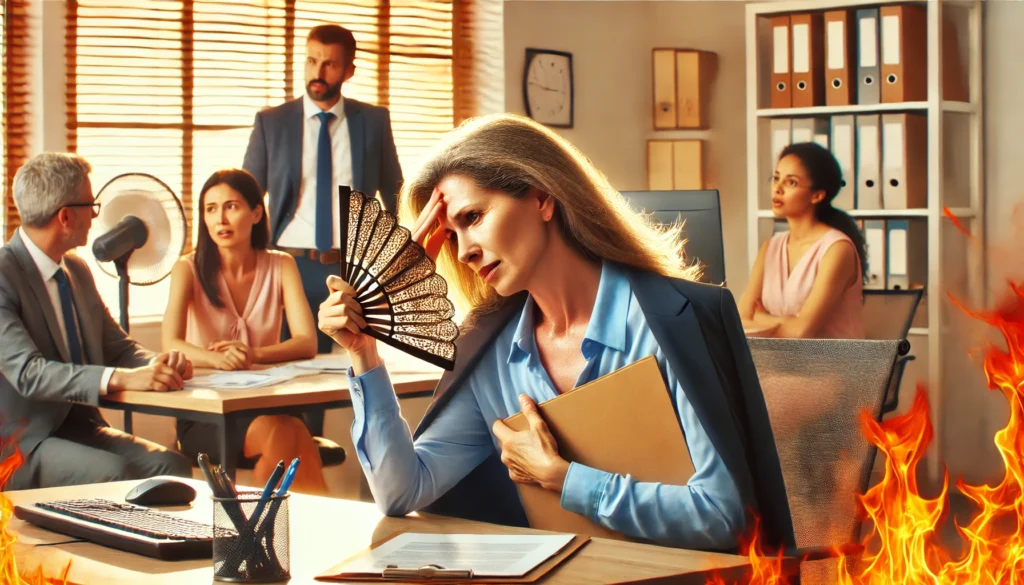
column 95, row 207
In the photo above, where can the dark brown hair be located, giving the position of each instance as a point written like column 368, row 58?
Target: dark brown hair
column 207, row 254
column 332, row 34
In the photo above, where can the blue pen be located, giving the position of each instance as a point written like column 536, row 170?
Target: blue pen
column 289, row 477
column 268, row 490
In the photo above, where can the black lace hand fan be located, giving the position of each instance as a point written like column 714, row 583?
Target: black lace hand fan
column 404, row 301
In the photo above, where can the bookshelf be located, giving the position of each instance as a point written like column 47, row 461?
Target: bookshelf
column 955, row 264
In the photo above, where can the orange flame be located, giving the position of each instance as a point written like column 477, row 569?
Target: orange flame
column 956, row 222
column 904, row 522
column 9, row 574
column 763, row 570
column 901, row 547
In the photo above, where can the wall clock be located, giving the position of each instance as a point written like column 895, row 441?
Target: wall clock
column 548, row 87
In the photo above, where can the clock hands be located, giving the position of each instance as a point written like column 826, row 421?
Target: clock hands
column 544, row 87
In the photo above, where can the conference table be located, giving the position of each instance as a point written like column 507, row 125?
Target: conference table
column 412, row 378
column 325, row 531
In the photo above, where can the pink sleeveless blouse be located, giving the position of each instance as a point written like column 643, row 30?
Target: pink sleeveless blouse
column 259, row 324
column 784, row 296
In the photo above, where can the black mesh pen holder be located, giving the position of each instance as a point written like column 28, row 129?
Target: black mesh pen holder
column 250, row 539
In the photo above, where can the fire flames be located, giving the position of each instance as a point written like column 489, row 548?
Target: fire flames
column 9, row 574
column 901, row 546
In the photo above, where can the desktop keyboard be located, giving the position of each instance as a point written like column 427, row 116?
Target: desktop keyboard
column 124, row 526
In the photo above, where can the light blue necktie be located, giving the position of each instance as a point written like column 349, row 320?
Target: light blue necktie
column 324, row 178
column 68, row 309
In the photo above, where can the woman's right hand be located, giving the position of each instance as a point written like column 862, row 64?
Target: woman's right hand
column 229, row 359
column 427, row 230
column 341, row 317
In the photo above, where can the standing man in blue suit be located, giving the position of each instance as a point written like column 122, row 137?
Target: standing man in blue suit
column 302, row 150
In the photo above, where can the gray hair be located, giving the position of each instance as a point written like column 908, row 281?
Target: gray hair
column 47, row 182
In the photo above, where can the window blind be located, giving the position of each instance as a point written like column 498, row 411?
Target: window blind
column 18, row 42
column 171, row 87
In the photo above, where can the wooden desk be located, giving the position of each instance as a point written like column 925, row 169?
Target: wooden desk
column 411, row 377
column 325, row 531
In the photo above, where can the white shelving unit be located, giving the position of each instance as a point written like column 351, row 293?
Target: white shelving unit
column 955, row 180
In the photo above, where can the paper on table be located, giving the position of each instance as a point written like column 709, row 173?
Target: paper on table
column 488, row 555
column 336, row 363
column 247, row 379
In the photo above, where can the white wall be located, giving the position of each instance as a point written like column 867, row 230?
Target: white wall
column 611, row 43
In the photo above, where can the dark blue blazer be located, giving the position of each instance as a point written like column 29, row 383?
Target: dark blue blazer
column 274, row 156
column 698, row 327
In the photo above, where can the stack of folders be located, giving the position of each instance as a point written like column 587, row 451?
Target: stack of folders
column 883, row 157
column 863, row 56
column 610, row 424
column 897, row 252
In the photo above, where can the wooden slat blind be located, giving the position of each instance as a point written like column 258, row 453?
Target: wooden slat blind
column 170, row 87
column 19, row 43
column 478, row 58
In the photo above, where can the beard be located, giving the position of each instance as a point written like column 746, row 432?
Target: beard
column 328, row 93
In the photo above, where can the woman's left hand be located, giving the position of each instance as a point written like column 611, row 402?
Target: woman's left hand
column 531, row 455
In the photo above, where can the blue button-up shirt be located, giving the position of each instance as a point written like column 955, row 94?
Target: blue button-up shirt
column 706, row 513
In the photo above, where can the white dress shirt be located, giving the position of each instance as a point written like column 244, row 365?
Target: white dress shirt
column 301, row 230
column 48, row 269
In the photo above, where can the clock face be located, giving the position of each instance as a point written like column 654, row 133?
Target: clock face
column 548, row 88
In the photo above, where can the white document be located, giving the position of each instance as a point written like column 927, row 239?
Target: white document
column 239, row 380
column 336, row 363
column 247, row 379
column 488, row 555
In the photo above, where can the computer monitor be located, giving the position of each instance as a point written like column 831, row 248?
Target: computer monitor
column 701, row 212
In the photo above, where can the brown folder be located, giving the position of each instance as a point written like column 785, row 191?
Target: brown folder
column 623, row 423
column 694, row 70
column 904, row 49
column 337, row 572
column 659, row 165
column 839, row 58
column 808, row 71
column 664, row 75
column 781, row 63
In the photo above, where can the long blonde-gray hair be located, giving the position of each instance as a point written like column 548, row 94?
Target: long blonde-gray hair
column 511, row 153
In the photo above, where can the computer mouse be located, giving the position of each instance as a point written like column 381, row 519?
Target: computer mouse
column 160, row 491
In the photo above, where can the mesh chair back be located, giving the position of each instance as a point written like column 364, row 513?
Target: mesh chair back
column 814, row 390
column 888, row 314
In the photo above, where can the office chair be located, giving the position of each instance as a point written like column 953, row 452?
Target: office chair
column 814, row 390
column 889, row 314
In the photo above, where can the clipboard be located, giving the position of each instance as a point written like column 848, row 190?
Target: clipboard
column 623, row 423
column 433, row 572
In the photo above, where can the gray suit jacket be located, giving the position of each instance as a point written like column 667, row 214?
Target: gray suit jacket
column 274, row 156
column 38, row 387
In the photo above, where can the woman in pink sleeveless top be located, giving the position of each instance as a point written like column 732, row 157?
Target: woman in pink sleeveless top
column 225, row 311
column 808, row 281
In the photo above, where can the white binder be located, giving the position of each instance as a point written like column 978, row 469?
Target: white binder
column 843, row 148
column 869, row 162
column 874, row 236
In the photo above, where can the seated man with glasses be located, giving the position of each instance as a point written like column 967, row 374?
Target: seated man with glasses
column 62, row 350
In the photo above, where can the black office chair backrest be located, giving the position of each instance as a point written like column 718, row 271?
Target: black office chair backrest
column 889, row 314
column 701, row 214
column 814, row 390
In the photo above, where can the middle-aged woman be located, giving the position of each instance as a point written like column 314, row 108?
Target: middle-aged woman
column 564, row 283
